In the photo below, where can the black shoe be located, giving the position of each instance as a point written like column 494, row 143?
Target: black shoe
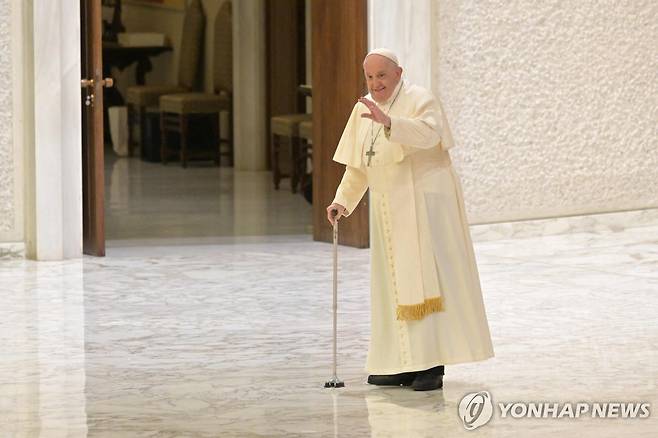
column 402, row 379
column 428, row 380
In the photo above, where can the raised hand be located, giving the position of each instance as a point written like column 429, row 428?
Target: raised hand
column 376, row 114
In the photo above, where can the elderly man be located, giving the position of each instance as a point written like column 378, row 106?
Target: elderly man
column 426, row 302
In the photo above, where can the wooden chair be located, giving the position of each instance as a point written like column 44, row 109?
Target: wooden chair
column 176, row 110
column 285, row 131
column 140, row 97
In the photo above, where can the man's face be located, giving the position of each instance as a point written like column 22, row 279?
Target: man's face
column 382, row 75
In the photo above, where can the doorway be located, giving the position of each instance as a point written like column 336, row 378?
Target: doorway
column 144, row 199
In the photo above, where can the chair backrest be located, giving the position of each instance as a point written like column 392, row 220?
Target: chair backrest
column 223, row 62
column 191, row 47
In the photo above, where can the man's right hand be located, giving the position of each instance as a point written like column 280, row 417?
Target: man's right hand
column 334, row 212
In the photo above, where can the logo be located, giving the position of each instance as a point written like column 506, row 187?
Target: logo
column 476, row 409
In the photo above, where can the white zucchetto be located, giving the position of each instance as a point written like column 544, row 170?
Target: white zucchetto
column 386, row 53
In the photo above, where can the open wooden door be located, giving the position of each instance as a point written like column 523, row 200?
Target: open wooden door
column 340, row 42
column 93, row 193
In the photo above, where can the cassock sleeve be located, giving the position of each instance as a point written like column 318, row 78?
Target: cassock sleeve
column 425, row 128
column 351, row 188
column 347, row 151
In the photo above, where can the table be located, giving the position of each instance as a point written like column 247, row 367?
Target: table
column 115, row 55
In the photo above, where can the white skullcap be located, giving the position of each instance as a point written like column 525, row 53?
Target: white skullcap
column 386, row 53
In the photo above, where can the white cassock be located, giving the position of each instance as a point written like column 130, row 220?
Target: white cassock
column 426, row 301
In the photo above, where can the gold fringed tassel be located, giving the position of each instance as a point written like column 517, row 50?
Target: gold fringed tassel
column 414, row 312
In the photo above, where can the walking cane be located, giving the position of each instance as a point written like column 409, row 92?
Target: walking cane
column 335, row 382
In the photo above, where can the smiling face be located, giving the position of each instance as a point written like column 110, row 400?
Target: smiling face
column 382, row 75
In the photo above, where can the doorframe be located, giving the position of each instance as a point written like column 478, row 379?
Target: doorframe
column 47, row 125
column 17, row 231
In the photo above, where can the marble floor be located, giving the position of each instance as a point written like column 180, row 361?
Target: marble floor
column 146, row 200
column 232, row 338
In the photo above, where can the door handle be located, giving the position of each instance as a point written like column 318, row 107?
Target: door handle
column 89, row 83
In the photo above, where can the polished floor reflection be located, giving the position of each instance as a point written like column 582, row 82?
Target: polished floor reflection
column 149, row 200
column 232, row 339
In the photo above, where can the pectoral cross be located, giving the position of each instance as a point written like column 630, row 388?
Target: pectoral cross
column 373, row 138
column 371, row 153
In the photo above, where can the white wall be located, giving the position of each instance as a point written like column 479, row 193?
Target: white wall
column 404, row 27
column 52, row 103
column 552, row 104
column 11, row 175
column 40, row 129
